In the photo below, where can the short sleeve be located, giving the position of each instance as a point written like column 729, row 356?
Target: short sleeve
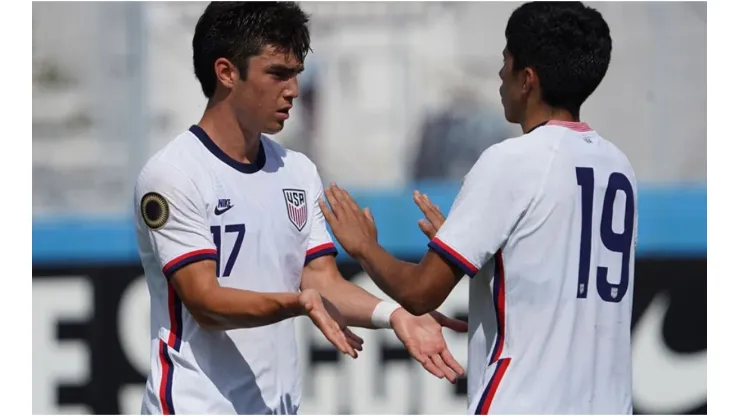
column 171, row 214
column 494, row 196
column 319, row 241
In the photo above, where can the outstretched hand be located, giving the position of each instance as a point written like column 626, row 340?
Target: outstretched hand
column 354, row 228
column 330, row 322
column 422, row 337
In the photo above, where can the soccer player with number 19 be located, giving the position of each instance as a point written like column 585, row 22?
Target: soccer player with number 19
column 545, row 226
column 234, row 244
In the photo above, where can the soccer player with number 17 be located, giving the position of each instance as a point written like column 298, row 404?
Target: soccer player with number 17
column 233, row 241
column 545, row 226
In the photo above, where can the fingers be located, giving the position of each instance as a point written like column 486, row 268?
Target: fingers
column 369, row 215
column 333, row 333
column 456, row 325
column 333, row 198
column 431, row 212
column 320, row 311
column 345, row 199
column 354, row 344
column 336, row 336
column 449, row 374
column 452, row 363
column 427, row 228
column 342, row 203
column 354, row 340
column 420, row 202
column 340, row 342
column 353, row 336
column 453, row 324
column 427, row 363
column 328, row 213
column 344, row 344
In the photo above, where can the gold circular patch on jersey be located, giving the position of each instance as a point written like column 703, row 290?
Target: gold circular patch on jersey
column 155, row 210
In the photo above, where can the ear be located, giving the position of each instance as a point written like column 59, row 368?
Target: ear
column 226, row 72
column 529, row 81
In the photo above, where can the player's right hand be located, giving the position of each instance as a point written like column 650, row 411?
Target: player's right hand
column 434, row 217
column 329, row 321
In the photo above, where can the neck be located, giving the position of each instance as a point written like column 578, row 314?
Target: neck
column 223, row 128
column 542, row 114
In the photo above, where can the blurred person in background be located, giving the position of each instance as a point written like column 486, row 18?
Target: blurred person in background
column 233, row 242
column 452, row 139
column 545, row 224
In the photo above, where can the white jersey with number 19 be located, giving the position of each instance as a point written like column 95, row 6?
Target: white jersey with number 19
column 546, row 225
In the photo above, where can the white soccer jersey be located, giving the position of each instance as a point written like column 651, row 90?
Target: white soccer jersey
column 261, row 223
column 546, row 225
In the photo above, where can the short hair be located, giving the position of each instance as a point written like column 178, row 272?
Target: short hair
column 567, row 44
column 239, row 30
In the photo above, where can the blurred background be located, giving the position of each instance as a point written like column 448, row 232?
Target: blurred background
column 395, row 96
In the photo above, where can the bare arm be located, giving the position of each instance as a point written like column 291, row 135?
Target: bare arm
column 431, row 286
column 220, row 308
column 353, row 302
column 419, row 288
column 422, row 336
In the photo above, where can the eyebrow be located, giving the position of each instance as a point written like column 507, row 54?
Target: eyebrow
column 285, row 68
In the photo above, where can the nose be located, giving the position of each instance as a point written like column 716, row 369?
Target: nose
column 291, row 92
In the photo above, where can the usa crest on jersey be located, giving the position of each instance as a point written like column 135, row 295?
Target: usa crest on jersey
column 295, row 200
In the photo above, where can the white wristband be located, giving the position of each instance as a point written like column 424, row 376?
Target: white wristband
column 381, row 317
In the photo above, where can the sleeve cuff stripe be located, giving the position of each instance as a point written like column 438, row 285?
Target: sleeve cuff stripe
column 320, row 247
column 330, row 251
column 453, row 256
column 181, row 261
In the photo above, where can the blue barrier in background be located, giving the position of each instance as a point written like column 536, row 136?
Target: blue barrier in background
column 672, row 222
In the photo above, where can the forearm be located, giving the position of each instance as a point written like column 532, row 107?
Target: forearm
column 352, row 301
column 226, row 308
column 396, row 278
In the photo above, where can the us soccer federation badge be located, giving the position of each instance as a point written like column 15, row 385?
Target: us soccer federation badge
column 295, row 200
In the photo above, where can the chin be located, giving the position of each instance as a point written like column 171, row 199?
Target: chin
column 511, row 112
column 511, row 119
column 273, row 128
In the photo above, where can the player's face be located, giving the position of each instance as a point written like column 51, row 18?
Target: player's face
column 265, row 98
column 512, row 96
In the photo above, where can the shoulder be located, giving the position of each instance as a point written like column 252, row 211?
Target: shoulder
column 174, row 165
column 511, row 153
column 619, row 157
column 514, row 161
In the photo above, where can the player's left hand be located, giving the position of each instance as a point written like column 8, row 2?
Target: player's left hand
column 422, row 337
column 353, row 227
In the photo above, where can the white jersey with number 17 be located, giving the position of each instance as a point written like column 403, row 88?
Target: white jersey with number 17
column 546, row 224
column 261, row 224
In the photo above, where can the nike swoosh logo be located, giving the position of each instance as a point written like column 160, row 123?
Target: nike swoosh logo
column 221, row 211
column 663, row 380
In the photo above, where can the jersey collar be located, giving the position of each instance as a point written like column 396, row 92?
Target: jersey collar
column 213, row 148
column 537, row 126
column 573, row 125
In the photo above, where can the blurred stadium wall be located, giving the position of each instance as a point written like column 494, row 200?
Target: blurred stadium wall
column 395, row 96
